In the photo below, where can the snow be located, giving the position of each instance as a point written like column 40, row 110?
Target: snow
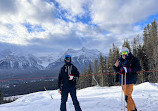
column 46, row 60
column 19, row 58
column 86, row 53
column 94, row 98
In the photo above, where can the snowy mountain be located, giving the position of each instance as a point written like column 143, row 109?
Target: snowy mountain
column 15, row 63
column 91, row 99
column 18, row 60
column 80, row 58
column 46, row 60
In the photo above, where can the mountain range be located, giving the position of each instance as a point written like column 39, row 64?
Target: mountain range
column 18, row 61
column 80, row 58
column 15, row 63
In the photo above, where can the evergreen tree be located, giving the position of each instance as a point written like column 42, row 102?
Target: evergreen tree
column 145, row 49
column 135, row 45
column 115, row 53
column 95, row 66
column 95, row 71
column 126, row 44
column 100, row 71
column 81, row 82
column 110, row 68
column 105, row 77
column 89, row 71
column 1, row 97
column 153, row 50
column 89, row 77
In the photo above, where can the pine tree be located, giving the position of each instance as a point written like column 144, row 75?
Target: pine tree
column 135, row 45
column 126, row 44
column 110, row 68
column 95, row 66
column 115, row 56
column 81, row 82
column 89, row 73
column 1, row 97
column 153, row 49
column 145, row 55
column 84, row 70
column 105, row 77
column 95, row 71
column 100, row 71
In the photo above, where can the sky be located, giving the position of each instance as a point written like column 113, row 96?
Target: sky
column 43, row 27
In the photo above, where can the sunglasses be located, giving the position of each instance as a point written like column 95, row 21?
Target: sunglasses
column 67, row 58
column 124, row 53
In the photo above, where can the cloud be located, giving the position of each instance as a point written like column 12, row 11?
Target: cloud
column 7, row 6
column 15, row 14
column 73, row 7
column 21, row 11
column 43, row 26
column 118, row 15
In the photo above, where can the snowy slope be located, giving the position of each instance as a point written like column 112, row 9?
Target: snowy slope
column 91, row 99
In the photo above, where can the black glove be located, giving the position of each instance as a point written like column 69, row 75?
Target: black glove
column 117, row 78
column 126, row 64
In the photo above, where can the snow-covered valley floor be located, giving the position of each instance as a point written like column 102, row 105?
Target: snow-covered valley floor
column 95, row 98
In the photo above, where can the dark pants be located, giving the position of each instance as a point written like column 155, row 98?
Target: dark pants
column 64, row 97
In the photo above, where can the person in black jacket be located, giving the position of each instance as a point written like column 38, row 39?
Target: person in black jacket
column 129, row 64
column 67, row 83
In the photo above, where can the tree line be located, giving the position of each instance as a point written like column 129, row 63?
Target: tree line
column 145, row 48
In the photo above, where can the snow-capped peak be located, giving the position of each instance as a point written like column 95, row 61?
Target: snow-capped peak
column 16, row 59
column 80, row 58
column 83, row 52
column 84, row 49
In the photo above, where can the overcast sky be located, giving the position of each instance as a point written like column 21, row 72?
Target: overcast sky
column 53, row 26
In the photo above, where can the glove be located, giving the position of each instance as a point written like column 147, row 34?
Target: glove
column 71, row 77
column 125, row 69
column 117, row 78
column 75, row 78
column 126, row 64
column 59, row 91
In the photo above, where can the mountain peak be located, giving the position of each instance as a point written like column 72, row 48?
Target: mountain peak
column 69, row 51
column 84, row 49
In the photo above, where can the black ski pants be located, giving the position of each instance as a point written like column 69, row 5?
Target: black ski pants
column 64, row 97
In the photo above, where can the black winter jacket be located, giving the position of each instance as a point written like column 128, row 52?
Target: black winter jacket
column 131, row 62
column 63, row 78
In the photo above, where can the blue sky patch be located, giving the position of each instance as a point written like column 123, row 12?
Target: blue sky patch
column 34, row 28
column 147, row 21
column 62, row 14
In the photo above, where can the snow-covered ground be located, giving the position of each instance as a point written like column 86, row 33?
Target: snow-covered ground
column 91, row 99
